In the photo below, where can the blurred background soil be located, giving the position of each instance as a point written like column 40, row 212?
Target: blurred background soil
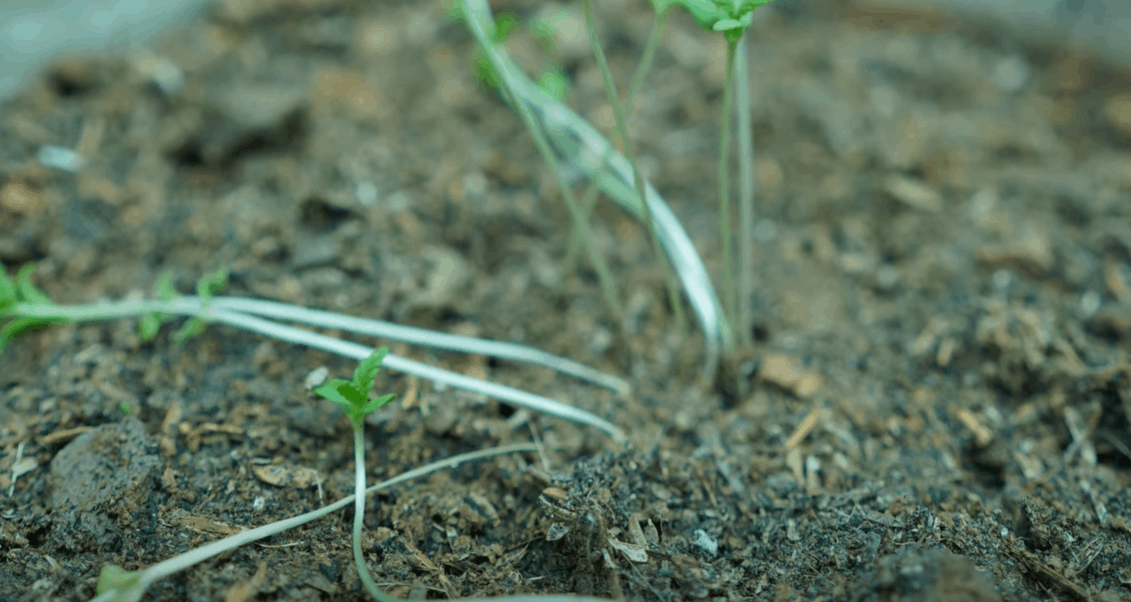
column 937, row 405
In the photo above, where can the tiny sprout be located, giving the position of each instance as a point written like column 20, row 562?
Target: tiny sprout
column 21, row 291
column 352, row 396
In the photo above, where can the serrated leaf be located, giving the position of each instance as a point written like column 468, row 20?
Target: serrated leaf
column 366, row 371
column 25, row 288
column 148, row 326
column 343, row 393
column 375, row 404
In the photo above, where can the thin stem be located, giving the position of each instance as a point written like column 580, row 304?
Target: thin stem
column 638, row 78
column 359, row 516
column 191, row 306
column 745, row 320
column 637, row 177
column 502, row 70
column 729, row 292
column 645, row 66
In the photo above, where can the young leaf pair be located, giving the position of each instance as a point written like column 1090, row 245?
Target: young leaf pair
column 352, row 396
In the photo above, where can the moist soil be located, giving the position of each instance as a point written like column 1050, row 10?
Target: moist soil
column 934, row 407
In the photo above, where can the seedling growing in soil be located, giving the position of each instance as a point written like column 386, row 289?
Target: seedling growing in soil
column 352, row 396
column 24, row 307
column 116, row 584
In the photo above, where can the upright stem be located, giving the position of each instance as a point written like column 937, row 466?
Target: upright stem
column 637, row 177
column 729, row 293
column 744, row 319
column 359, row 516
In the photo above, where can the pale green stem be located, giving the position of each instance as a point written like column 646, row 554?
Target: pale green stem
column 744, row 320
column 637, row 177
column 729, row 292
column 359, row 516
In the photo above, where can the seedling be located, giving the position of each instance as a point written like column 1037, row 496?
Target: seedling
column 352, row 396
column 116, row 584
column 577, row 145
column 23, row 307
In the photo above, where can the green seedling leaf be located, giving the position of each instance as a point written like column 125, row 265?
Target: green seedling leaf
column 116, row 578
column 206, row 287
column 366, row 371
column 729, row 17
column 164, row 287
column 190, row 329
column 554, row 83
column 342, row 393
column 210, row 284
column 377, row 403
column 352, row 396
column 19, row 326
column 26, row 289
column 505, row 25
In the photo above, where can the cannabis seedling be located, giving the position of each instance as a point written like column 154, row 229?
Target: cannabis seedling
column 352, row 396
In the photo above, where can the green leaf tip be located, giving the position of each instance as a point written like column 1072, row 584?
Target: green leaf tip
column 210, row 284
column 729, row 17
column 26, row 289
column 352, row 396
column 7, row 288
column 116, row 578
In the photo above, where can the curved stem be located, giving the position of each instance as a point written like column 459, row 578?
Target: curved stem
column 637, row 178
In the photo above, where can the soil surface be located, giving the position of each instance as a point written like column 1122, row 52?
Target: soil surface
column 936, row 406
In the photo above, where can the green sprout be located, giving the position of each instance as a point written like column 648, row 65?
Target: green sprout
column 17, row 292
column 206, row 288
column 352, row 396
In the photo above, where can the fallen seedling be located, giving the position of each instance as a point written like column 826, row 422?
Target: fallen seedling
column 118, row 585
column 24, row 307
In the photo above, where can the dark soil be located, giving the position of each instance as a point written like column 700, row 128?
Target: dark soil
column 941, row 377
